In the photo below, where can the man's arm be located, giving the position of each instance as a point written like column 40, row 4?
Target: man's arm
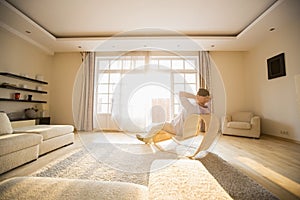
column 187, row 95
column 184, row 100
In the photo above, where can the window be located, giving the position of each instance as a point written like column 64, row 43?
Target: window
column 109, row 71
column 157, row 77
column 183, row 73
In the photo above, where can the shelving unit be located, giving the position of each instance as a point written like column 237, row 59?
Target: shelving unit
column 11, row 87
column 22, row 100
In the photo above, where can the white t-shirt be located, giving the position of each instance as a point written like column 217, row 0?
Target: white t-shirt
column 188, row 108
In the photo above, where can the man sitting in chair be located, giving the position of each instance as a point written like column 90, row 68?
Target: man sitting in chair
column 175, row 127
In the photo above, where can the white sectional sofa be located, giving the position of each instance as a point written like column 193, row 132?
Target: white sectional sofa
column 54, row 136
column 21, row 145
column 17, row 149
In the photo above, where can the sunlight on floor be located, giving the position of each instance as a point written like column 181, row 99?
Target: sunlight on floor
column 110, row 137
column 277, row 178
column 182, row 148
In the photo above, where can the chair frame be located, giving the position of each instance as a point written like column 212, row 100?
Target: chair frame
column 192, row 128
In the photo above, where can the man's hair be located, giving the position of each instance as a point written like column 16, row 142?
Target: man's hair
column 203, row 92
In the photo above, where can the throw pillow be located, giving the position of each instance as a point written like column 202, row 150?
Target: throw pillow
column 5, row 125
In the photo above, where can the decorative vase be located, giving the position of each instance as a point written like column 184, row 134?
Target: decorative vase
column 30, row 114
column 17, row 96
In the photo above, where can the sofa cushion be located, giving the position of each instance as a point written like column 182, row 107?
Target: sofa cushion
column 242, row 116
column 59, row 188
column 47, row 131
column 14, row 142
column 5, row 125
column 239, row 125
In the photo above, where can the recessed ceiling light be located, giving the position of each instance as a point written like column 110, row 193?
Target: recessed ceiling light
column 212, row 45
column 79, row 47
column 272, row 29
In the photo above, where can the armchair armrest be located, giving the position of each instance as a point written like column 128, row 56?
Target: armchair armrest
column 255, row 120
column 255, row 123
column 224, row 121
column 227, row 118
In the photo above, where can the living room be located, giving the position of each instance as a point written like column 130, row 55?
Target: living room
column 243, row 69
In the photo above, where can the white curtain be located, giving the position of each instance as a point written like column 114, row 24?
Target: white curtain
column 134, row 99
column 83, row 93
column 204, row 70
column 205, row 65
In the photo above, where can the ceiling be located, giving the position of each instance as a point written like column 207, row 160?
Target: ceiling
column 113, row 25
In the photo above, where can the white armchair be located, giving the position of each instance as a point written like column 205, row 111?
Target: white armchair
column 241, row 124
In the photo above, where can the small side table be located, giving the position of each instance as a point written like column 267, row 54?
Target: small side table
column 43, row 120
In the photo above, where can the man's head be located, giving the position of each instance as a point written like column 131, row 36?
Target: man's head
column 203, row 92
column 202, row 96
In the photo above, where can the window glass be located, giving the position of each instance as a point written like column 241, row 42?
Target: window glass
column 103, row 88
column 178, row 78
column 190, row 78
column 190, row 64
column 177, row 64
column 114, row 78
column 103, row 64
column 115, row 64
column 103, row 78
column 127, row 63
column 164, row 63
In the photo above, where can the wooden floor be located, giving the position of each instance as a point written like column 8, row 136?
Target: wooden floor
column 273, row 163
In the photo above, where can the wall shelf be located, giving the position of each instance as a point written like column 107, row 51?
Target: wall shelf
column 22, row 100
column 13, row 87
column 24, row 89
column 22, row 78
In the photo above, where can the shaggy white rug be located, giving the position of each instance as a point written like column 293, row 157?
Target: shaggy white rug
column 106, row 162
column 132, row 163
column 45, row 188
column 184, row 179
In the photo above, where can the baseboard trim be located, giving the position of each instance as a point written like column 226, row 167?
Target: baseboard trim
column 283, row 139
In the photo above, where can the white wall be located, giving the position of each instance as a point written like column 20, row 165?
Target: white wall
column 230, row 66
column 63, row 74
column 276, row 100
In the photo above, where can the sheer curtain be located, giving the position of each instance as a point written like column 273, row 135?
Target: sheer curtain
column 83, row 93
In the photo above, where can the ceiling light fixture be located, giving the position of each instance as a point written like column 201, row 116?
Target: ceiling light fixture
column 272, row 29
column 28, row 32
column 212, row 45
column 79, row 47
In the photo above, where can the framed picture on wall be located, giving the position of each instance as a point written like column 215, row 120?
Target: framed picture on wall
column 276, row 66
